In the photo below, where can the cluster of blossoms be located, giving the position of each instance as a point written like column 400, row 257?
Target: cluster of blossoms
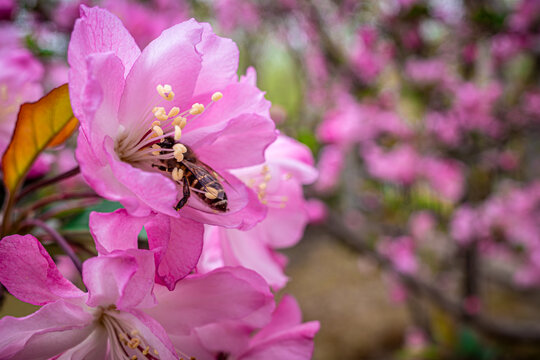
column 192, row 155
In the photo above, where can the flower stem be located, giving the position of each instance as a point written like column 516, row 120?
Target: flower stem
column 47, row 182
column 59, row 239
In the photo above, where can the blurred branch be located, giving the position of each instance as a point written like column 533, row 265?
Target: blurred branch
column 46, row 182
column 495, row 328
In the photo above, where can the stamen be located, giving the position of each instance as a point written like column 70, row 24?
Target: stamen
column 165, row 91
column 211, row 193
column 157, row 147
column 178, row 156
column 156, row 123
column 196, row 109
column 177, row 174
column 177, row 132
column 217, row 96
column 180, row 147
column 173, row 112
column 158, row 130
column 180, row 121
column 160, row 113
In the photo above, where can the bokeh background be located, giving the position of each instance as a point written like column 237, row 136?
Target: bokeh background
column 424, row 119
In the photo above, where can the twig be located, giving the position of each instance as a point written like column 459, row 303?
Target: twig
column 501, row 330
column 59, row 239
column 47, row 182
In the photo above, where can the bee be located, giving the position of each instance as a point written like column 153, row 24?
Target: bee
column 196, row 176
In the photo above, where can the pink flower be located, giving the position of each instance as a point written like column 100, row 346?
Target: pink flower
column 278, row 183
column 123, row 314
column 422, row 224
column 398, row 165
column 233, row 14
column 133, row 106
column 369, row 55
column 284, row 337
column 20, row 76
column 464, row 225
column 330, row 166
column 400, row 251
column 445, row 177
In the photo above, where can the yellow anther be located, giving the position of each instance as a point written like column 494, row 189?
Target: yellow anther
column 288, row 176
column 156, row 352
column 180, row 121
column 196, row 109
column 282, row 205
column 173, row 112
column 134, row 332
column 216, row 96
column 158, row 130
column 265, row 169
column 180, row 147
column 177, row 133
column 158, row 148
column 178, row 156
column 146, row 351
column 134, row 357
column 267, row 177
column 211, row 193
column 134, row 343
column 264, row 202
column 176, row 175
column 165, row 91
column 160, row 113
column 284, row 198
column 156, row 123
column 262, row 186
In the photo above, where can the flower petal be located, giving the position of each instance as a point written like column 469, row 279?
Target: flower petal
column 170, row 59
column 97, row 31
column 122, row 278
column 115, row 231
column 94, row 347
column 241, row 143
column 29, row 273
column 221, row 295
column 219, row 62
column 177, row 244
column 51, row 330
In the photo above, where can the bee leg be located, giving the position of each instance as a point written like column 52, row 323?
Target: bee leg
column 186, row 193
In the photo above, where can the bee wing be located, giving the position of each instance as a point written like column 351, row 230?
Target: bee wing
column 194, row 168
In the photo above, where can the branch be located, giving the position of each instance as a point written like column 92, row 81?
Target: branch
column 495, row 328
column 47, row 182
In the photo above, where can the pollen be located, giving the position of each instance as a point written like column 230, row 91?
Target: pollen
column 180, row 147
column 156, row 123
column 173, row 112
column 165, row 91
column 158, row 130
column 211, row 193
column 180, row 121
column 146, row 351
column 134, row 357
column 216, row 96
column 196, row 109
column 177, row 174
column 158, row 148
column 160, row 113
column 134, row 343
column 178, row 156
column 177, row 132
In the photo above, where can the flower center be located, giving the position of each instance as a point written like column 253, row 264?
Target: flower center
column 259, row 184
column 126, row 342
column 159, row 141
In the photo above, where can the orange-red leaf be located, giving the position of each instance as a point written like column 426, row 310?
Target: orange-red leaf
column 47, row 122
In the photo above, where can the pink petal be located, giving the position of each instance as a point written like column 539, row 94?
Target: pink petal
column 223, row 294
column 241, row 143
column 219, row 62
column 286, row 315
column 97, row 31
column 170, row 59
column 98, row 174
column 51, row 330
column 115, row 231
column 122, row 278
column 295, row 344
column 94, row 347
column 238, row 99
column 101, row 97
column 177, row 244
column 245, row 248
column 29, row 273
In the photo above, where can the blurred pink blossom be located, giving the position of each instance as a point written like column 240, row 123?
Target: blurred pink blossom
column 401, row 251
column 398, row 165
column 330, row 166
